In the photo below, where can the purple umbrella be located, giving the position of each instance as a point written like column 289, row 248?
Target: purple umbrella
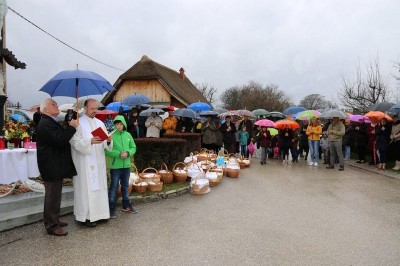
column 357, row 118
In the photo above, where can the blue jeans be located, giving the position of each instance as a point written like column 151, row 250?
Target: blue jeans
column 314, row 150
column 119, row 176
column 243, row 150
column 347, row 152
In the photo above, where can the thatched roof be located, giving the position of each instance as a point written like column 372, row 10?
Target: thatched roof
column 180, row 88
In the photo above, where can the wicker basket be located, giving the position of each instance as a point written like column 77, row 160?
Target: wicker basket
column 179, row 177
column 156, row 187
column 150, row 174
column 139, row 189
column 166, row 176
column 233, row 173
column 200, row 186
column 213, row 182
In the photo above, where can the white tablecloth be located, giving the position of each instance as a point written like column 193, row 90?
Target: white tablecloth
column 17, row 165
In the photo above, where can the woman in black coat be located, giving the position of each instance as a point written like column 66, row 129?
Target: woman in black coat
column 228, row 130
column 383, row 131
column 286, row 136
column 54, row 162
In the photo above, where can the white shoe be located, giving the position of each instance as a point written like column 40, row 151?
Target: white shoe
column 311, row 164
column 315, row 164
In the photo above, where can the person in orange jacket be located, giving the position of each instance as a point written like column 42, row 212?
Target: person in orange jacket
column 169, row 124
column 314, row 131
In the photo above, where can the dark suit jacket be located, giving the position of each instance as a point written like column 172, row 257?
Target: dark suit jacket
column 53, row 149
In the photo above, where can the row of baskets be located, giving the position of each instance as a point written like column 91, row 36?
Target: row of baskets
column 203, row 170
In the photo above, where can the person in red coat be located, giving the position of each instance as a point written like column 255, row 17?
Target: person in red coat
column 54, row 162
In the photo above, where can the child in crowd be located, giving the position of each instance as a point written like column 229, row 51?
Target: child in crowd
column 276, row 151
column 124, row 148
column 251, row 147
column 324, row 143
column 264, row 137
column 243, row 139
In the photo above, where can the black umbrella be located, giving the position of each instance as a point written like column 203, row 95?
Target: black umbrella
column 383, row 106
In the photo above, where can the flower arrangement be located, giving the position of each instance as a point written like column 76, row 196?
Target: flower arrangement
column 14, row 129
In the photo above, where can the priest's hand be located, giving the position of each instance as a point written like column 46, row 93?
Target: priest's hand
column 96, row 140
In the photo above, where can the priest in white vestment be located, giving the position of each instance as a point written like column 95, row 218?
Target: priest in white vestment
column 90, row 185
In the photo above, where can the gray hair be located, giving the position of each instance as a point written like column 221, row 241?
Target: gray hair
column 45, row 103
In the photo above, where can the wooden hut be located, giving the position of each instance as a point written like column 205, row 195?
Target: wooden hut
column 160, row 83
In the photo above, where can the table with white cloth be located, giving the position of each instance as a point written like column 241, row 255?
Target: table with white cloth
column 17, row 165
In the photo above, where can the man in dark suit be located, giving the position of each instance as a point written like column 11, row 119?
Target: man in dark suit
column 54, row 161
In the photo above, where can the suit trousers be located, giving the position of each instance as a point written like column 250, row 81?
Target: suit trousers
column 52, row 203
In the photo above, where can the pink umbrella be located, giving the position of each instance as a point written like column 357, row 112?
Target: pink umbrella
column 265, row 123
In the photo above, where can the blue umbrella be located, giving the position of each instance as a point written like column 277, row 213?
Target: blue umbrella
column 200, row 106
column 293, row 110
column 135, row 99
column 19, row 118
column 183, row 112
column 76, row 83
column 116, row 105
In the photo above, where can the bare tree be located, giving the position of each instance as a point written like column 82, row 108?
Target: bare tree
column 316, row 101
column 363, row 92
column 209, row 91
column 254, row 96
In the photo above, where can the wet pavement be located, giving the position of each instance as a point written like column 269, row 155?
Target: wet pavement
column 273, row 214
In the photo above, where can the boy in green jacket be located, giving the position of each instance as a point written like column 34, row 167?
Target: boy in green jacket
column 120, row 165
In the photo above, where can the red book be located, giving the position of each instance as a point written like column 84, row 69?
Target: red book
column 99, row 132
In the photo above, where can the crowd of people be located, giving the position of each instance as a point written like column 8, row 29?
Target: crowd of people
column 74, row 152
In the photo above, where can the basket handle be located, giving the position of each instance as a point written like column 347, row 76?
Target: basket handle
column 163, row 165
column 150, row 168
column 180, row 163
column 136, row 171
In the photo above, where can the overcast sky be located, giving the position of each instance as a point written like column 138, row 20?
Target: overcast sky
column 303, row 46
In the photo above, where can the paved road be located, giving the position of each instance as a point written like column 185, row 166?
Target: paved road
column 271, row 215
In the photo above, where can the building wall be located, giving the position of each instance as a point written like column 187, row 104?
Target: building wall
column 151, row 88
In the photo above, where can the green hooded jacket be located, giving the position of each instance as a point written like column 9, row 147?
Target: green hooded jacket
column 122, row 141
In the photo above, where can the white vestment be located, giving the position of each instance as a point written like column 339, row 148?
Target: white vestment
column 90, row 185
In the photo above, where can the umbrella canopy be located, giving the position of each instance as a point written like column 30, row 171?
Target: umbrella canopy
column 64, row 107
column 19, row 118
column 232, row 114
column 290, row 123
column 151, row 110
column 260, row 112
column 307, row 115
column 383, row 106
column 273, row 131
column 200, row 106
column 293, row 109
column 208, row 113
column 265, row 123
column 102, row 114
column 220, row 110
column 395, row 109
column 277, row 115
column 244, row 112
column 188, row 113
column 357, row 118
column 116, row 105
column 135, row 99
column 76, row 83
column 378, row 115
column 334, row 113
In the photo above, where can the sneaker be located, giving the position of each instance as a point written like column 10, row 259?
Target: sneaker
column 130, row 210
column 330, row 167
column 311, row 164
column 112, row 215
column 341, row 168
column 315, row 164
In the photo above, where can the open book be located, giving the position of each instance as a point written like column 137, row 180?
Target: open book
column 99, row 132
